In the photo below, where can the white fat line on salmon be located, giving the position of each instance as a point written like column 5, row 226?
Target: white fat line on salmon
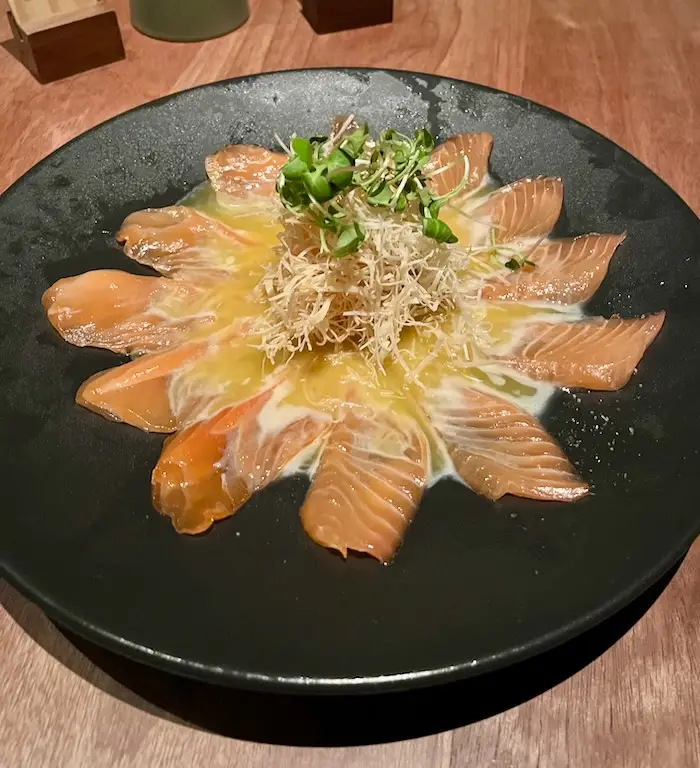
column 187, row 387
column 544, row 313
column 449, row 391
column 162, row 310
column 382, row 439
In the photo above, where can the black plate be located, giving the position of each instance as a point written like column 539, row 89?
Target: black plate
column 254, row 603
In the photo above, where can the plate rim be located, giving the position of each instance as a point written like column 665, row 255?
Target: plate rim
column 370, row 684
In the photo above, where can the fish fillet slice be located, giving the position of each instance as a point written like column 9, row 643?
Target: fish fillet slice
column 240, row 170
column 499, row 449
column 476, row 147
column 137, row 392
column 188, row 480
column 566, row 271
column 178, row 241
column 367, row 487
column 524, row 209
column 114, row 310
column 595, row 354
column 256, row 456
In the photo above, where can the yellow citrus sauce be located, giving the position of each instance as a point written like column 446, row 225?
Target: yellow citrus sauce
column 233, row 369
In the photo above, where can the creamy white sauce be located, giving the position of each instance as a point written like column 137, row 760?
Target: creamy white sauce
column 274, row 417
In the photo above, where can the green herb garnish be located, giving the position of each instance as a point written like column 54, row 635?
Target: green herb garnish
column 525, row 264
column 349, row 240
column 320, row 172
column 438, row 230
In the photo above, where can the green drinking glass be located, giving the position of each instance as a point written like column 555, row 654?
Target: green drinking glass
column 187, row 20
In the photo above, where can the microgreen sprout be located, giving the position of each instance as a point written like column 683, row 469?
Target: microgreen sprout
column 322, row 172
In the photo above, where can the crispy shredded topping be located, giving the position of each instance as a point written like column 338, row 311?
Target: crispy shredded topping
column 403, row 268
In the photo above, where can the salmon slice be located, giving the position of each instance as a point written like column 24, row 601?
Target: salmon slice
column 475, row 147
column 566, row 271
column 137, row 392
column 499, row 449
column 595, row 353
column 240, row 170
column 114, row 310
column 256, row 455
column 526, row 208
column 368, row 485
column 188, row 482
column 177, row 241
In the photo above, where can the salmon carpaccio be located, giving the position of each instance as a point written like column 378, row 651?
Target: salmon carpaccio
column 182, row 243
column 596, row 354
column 525, row 209
column 262, row 444
column 240, row 422
column 210, row 469
column 187, row 482
column 565, row 271
column 465, row 155
column 498, row 448
column 119, row 311
column 369, row 481
column 241, row 169
column 137, row 392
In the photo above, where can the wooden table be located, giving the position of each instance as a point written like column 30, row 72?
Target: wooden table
column 629, row 69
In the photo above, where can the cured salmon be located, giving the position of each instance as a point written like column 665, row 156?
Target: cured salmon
column 525, row 209
column 566, row 271
column 498, row 449
column 116, row 310
column 228, row 371
column 137, row 392
column 257, row 453
column 246, row 410
column 366, row 490
column 240, row 170
column 188, row 483
column 475, row 147
column 180, row 242
column 594, row 353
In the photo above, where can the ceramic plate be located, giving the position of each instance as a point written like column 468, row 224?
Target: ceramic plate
column 477, row 585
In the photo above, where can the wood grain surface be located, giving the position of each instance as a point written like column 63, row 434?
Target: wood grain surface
column 629, row 69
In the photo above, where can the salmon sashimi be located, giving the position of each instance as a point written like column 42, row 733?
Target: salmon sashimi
column 137, row 392
column 475, row 148
column 566, row 271
column 263, row 442
column 525, row 209
column 594, row 353
column 367, row 487
column 240, row 170
column 116, row 310
column 498, row 449
column 383, row 380
column 188, row 483
column 179, row 241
